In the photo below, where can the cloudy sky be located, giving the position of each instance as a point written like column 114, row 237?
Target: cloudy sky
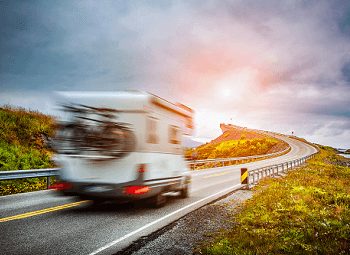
column 281, row 66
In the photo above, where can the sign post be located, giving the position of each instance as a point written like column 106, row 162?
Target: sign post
column 244, row 176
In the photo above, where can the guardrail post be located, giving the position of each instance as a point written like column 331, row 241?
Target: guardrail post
column 254, row 177
column 257, row 177
column 48, row 182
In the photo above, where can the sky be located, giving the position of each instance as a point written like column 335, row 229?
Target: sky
column 281, row 66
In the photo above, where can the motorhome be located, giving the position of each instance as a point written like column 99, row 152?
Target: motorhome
column 122, row 146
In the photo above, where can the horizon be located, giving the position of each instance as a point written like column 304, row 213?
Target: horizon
column 191, row 138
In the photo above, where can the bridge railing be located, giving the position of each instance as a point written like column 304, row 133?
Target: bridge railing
column 255, row 175
column 229, row 161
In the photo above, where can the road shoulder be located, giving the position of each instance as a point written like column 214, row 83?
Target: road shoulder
column 181, row 236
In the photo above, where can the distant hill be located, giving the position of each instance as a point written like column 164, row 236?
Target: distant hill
column 231, row 132
column 236, row 133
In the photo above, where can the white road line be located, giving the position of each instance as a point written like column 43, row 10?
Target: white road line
column 156, row 221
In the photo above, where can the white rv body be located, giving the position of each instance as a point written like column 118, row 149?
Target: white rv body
column 152, row 165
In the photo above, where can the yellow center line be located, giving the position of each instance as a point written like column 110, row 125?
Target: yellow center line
column 215, row 175
column 25, row 215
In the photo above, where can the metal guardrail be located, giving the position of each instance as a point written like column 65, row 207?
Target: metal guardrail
column 32, row 173
column 237, row 159
column 255, row 175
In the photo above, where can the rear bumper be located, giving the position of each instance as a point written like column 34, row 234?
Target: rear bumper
column 117, row 191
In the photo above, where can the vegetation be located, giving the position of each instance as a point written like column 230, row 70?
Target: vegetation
column 327, row 148
column 234, row 148
column 305, row 212
column 22, row 146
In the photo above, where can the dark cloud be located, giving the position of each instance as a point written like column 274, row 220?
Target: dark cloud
column 267, row 64
column 346, row 72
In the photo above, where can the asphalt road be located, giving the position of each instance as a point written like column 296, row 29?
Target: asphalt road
column 44, row 223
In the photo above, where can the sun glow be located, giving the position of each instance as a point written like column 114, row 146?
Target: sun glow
column 236, row 84
column 226, row 92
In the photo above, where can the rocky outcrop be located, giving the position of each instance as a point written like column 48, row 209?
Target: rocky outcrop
column 232, row 132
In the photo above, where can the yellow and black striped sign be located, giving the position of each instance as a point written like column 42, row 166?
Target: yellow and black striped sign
column 244, row 175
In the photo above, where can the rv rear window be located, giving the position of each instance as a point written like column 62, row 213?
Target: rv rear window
column 174, row 135
column 152, row 135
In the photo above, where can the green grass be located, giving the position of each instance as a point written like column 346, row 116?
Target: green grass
column 22, row 147
column 305, row 212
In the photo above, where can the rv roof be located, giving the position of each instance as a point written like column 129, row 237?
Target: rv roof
column 121, row 100
column 101, row 94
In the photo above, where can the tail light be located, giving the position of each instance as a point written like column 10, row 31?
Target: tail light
column 136, row 190
column 62, row 186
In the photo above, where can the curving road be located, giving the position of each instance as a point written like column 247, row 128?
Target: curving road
column 44, row 223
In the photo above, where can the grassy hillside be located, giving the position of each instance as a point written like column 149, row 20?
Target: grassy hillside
column 236, row 134
column 22, row 146
column 305, row 212
column 234, row 148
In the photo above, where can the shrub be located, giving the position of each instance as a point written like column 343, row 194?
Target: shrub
column 21, row 146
